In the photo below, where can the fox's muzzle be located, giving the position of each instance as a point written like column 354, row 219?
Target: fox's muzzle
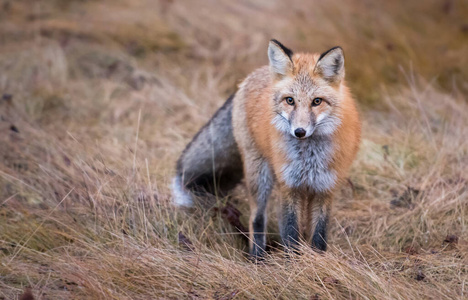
column 302, row 132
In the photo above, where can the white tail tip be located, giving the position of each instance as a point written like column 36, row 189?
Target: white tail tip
column 180, row 196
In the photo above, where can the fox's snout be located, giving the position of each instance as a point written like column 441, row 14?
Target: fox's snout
column 300, row 132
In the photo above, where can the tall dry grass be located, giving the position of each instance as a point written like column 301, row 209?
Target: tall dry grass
column 99, row 98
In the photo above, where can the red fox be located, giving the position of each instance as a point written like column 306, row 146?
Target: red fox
column 293, row 123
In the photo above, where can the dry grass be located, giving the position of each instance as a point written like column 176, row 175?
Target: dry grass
column 99, row 98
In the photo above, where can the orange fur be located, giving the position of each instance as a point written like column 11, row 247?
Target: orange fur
column 255, row 106
column 259, row 116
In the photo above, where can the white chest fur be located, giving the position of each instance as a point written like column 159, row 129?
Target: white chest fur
column 308, row 163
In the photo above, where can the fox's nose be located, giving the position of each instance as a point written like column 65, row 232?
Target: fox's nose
column 300, row 132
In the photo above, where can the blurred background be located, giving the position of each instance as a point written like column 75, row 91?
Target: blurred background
column 383, row 40
column 99, row 97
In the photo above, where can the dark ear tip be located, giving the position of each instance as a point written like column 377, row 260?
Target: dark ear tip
column 286, row 50
column 275, row 41
column 335, row 48
column 339, row 48
column 331, row 50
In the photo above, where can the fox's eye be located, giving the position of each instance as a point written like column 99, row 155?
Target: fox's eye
column 316, row 101
column 289, row 100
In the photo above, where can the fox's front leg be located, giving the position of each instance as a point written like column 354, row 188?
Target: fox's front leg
column 321, row 206
column 289, row 218
column 259, row 181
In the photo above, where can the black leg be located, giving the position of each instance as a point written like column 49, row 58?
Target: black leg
column 260, row 183
column 289, row 228
column 258, row 247
column 319, row 238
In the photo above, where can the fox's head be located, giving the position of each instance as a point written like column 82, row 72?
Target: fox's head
column 307, row 90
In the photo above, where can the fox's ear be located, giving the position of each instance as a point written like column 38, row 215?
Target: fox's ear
column 280, row 59
column 330, row 65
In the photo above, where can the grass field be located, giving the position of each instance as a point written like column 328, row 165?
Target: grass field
column 98, row 99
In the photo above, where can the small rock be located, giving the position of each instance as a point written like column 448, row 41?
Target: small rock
column 14, row 128
column 7, row 97
column 27, row 295
column 451, row 239
column 420, row 276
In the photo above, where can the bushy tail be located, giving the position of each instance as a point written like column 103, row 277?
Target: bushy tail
column 211, row 163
